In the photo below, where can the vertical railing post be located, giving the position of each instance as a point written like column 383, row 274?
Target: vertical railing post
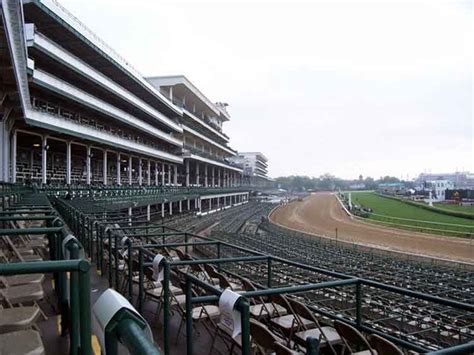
column 245, row 319
column 359, row 303
column 109, row 271
column 140, row 280
column 269, row 272
column 166, row 307
column 74, row 327
column 189, row 318
column 130, row 274
column 85, row 307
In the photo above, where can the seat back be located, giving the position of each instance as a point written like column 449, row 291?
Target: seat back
column 383, row 346
column 261, row 335
column 353, row 339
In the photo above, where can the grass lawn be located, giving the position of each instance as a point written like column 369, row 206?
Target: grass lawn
column 457, row 208
column 391, row 208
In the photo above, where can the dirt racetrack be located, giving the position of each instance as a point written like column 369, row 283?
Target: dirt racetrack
column 321, row 214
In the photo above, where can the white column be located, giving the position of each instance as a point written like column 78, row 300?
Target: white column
column 149, row 173
column 171, row 208
column 14, row 144
column 148, row 210
column 189, row 204
column 88, row 165
column 210, row 204
column 197, row 173
column 163, row 174
column 205, row 175
column 118, row 169
column 218, row 177
column 44, row 159
column 169, row 175
column 104, row 168
column 187, row 172
column 212, row 180
column 140, row 172
column 156, row 173
column 68, row 162
column 171, row 93
column 162, row 210
column 129, row 169
column 218, row 202
column 175, row 175
column 180, row 206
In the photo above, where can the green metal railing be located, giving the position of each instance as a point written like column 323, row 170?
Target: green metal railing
column 79, row 315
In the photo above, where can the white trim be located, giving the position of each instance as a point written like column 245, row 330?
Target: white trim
column 213, row 162
column 54, row 51
column 55, row 123
column 61, row 87
column 106, row 50
column 213, row 130
column 203, row 137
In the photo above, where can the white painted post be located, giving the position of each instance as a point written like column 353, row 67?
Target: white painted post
column 68, row 162
column 44, row 159
column 162, row 174
column 180, row 206
column 156, row 173
column 197, row 173
column 14, row 144
column 175, row 175
column 169, row 175
column 140, row 173
column 104, row 166
column 149, row 172
column 205, row 175
column 119, row 167
column 187, row 172
column 171, row 208
column 213, row 182
column 162, row 210
column 148, row 212
column 130, row 170
column 88, row 165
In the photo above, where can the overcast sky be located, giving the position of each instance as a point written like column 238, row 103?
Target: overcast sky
column 373, row 88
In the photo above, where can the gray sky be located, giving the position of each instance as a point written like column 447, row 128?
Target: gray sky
column 373, row 88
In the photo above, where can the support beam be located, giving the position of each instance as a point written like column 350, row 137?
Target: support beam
column 88, row 165
column 44, row 159
column 148, row 179
column 175, row 175
column 119, row 167
column 140, row 171
column 68, row 162
column 162, row 210
column 14, row 145
column 156, row 173
column 205, row 175
column 171, row 208
column 148, row 212
column 130, row 170
column 197, row 173
column 163, row 174
column 104, row 167
column 187, row 172
column 180, row 206
column 212, row 180
column 169, row 175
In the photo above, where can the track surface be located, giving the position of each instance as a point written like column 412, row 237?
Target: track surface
column 322, row 213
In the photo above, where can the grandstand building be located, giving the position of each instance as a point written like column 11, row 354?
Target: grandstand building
column 255, row 167
column 206, row 152
column 75, row 112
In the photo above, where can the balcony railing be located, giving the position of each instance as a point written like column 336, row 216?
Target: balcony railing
column 193, row 150
column 53, row 109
